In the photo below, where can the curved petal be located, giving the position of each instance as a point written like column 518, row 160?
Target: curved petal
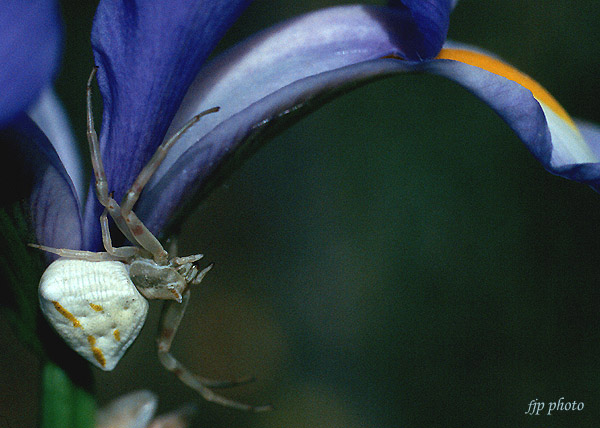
column 260, row 109
column 148, row 52
column 305, row 46
column 247, row 81
column 30, row 48
column 429, row 25
column 535, row 116
column 204, row 164
column 38, row 176
column 49, row 114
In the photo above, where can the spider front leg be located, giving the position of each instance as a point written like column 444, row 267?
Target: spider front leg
column 101, row 184
column 126, row 220
column 120, row 252
column 90, row 256
column 151, row 167
column 132, row 227
column 170, row 319
column 142, row 234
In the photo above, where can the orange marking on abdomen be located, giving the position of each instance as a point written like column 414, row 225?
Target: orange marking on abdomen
column 95, row 307
column 68, row 315
column 117, row 335
column 500, row 68
column 98, row 355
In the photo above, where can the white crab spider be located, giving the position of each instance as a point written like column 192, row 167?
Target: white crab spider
column 97, row 301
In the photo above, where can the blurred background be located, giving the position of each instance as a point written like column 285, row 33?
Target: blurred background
column 396, row 259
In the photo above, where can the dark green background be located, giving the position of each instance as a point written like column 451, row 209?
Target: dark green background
column 397, row 259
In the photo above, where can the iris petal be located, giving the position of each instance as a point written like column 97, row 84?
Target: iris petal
column 49, row 114
column 261, row 110
column 274, row 78
column 429, row 21
column 38, row 176
column 262, row 80
column 30, row 47
column 148, row 52
column 536, row 117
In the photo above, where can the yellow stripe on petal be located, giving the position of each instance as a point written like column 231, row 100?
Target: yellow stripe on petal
column 568, row 145
column 500, row 68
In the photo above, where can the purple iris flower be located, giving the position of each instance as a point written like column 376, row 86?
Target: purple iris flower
column 154, row 76
column 27, row 30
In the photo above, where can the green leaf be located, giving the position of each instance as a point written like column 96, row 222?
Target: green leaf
column 20, row 270
column 64, row 403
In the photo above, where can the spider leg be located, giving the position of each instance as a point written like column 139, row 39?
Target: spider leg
column 121, row 252
column 170, row 320
column 148, row 171
column 79, row 254
column 142, row 234
column 100, row 176
column 131, row 226
column 198, row 277
column 180, row 261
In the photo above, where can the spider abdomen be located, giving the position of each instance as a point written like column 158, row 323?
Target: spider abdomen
column 94, row 306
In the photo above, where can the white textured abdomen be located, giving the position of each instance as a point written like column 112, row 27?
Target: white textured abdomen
column 94, row 306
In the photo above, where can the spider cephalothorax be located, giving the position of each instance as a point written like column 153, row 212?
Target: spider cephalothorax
column 97, row 300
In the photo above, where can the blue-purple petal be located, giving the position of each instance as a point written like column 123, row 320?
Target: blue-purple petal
column 204, row 164
column 273, row 79
column 427, row 25
column 148, row 52
column 49, row 114
column 588, row 173
column 260, row 82
column 261, row 86
column 30, row 48
column 306, row 46
column 38, row 177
